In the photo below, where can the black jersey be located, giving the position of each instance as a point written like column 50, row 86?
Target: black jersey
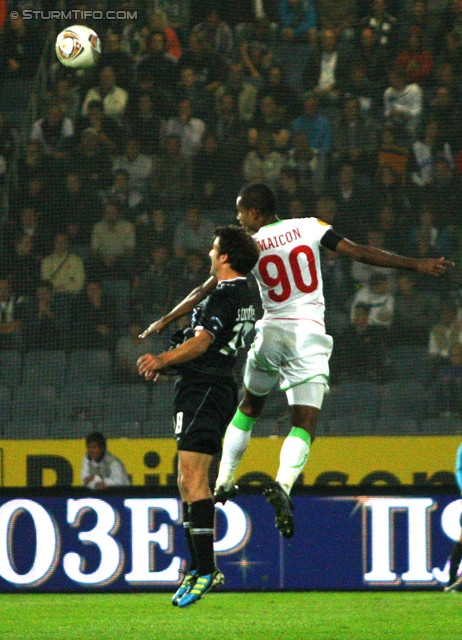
column 228, row 315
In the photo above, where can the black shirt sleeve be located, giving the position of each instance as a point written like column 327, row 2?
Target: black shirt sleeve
column 331, row 239
column 215, row 313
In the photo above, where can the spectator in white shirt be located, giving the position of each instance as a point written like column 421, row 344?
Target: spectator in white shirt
column 100, row 469
column 190, row 130
column 403, row 103
column 112, row 237
column 138, row 165
column 114, row 98
column 377, row 297
column 446, row 334
column 66, row 272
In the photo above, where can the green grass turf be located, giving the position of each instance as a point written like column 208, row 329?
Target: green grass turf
column 233, row 616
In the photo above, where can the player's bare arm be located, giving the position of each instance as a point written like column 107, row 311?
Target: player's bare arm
column 149, row 365
column 182, row 308
column 370, row 255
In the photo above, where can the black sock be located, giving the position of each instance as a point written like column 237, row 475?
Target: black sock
column 202, row 521
column 456, row 557
column 188, row 536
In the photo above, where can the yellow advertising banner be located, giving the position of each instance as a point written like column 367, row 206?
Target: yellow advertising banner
column 339, row 460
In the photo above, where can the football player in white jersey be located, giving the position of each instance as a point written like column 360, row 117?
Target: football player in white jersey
column 291, row 344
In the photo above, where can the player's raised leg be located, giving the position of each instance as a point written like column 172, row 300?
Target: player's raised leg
column 305, row 401
column 235, row 443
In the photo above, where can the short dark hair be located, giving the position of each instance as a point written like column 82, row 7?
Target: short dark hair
column 96, row 437
column 259, row 196
column 242, row 250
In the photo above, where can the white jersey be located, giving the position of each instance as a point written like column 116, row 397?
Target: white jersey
column 288, row 271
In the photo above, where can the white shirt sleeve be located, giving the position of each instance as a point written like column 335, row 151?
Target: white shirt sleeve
column 85, row 469
column 118, row 476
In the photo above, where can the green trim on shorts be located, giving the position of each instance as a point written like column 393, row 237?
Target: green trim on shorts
column 297, row 432
column 243, row 422
column 268, row 367
column 297, row 384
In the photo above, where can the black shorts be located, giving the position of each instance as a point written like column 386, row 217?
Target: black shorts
column 203, row 408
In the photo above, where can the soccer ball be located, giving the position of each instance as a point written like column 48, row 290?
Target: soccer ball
column 78, row 47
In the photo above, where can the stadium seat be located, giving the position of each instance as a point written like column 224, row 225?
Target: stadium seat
column 80, row 402
column 34, row 405
column 403, row 399
column 357, row 399
column 410, row 363
column 89, row 366
column 44, row 368
column 10, row 367
column 441, row 426
column 397, row 426
column 125, row 404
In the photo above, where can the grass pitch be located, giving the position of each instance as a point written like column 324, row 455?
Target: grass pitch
column 233, row 616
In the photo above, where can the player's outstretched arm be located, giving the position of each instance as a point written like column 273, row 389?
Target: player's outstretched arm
column 149, row 365
column 182, row 308
column 370, row 255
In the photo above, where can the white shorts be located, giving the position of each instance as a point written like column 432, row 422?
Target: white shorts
column 293, row 352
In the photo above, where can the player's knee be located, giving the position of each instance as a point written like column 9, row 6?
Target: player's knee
column 252, row 405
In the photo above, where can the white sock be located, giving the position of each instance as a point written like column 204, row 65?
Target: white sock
column 234, row 446
column 293, row 458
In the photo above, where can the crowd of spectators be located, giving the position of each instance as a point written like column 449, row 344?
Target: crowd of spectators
column 350, row 110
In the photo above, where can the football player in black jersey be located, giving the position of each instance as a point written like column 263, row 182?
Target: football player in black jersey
column 206, row 395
